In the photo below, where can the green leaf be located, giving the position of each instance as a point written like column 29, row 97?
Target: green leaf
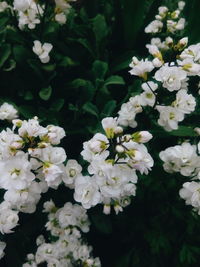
column 58, row 104
column 86, row 91
column 5, row 51
column 100, row 69
column 186, row 255
column 27, row 111
column 91, row 109
column 86, row 44
column 49, row 67
column 114, row 80
column 109, row 108
column 11, row 66
column 183, row 131
column 99, row 27
column 72, row 107
column 122, row 62
column 45, row 93
column 67, row 62
column 21, row 54
column 78, row 83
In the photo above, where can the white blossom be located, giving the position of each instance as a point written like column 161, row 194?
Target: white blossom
column 171, row 77
column 42, row 50
column 7, row 112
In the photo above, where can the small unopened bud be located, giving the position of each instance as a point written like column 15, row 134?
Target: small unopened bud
column 89, row 262
column 135, row 61
column 43, row 145
column 182, row 43
column 169, row 41
column 118, row 130
column 175, row 14
column 127, row 138
column 106, row 209
column 17, row 123
column 142, row 136
column 181, row 5
column 119, row 149
column 117, row 208
column 162, row 10
column 157, row 63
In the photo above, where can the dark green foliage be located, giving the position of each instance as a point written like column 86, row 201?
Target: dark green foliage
column 86, row 80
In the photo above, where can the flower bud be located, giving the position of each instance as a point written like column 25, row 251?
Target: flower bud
column 141, row 137
column 117, row 208
column 119, row 149
column 118, row 130
column 106, row 209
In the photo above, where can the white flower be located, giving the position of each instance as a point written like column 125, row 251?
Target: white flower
column 184, row 102
column 32, row 128
column 141, row 68
column 42, row 51
column 192, row 52
column 16, row 172
column 72, row 170
column 31, row 15
column 8, row 218
column 191, row 194
column 61, row 18
column 169, row 117
column 148, row 97
column 86, row 191
column 127, row 115
column 171, row 77
column 2, row 247
column 3, row 5
column 22, row 5
column 24, row 200
column 10, row 143
column 173, row 26
column 190, row 66
column 139, row 158
column 8, row 112
column 180, row 158
column 55, row 134
column 154, row 27
column 110, row 125
column 95, row 147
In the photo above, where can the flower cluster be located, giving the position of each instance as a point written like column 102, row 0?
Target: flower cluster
column 113, row 160
column 29, row 163
column 30, row 13
column 165, row 72
column 171, row 20
column 66, row 225
column 185, row 159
